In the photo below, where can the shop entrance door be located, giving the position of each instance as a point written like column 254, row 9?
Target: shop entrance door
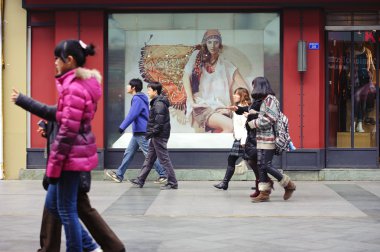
column 352, row 88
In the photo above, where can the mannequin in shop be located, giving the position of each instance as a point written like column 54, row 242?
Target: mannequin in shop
column 365, row 91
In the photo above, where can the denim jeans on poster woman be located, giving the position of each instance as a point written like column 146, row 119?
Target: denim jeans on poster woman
column 61, row 200
column 137, row 141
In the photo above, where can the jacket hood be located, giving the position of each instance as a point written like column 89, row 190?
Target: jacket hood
column 143, row 97
column 89, row 78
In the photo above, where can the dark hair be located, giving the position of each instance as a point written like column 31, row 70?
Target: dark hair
column 244, row 95
column 137, row 84
column 77, row 49
column 155, row 86
column 261, row 88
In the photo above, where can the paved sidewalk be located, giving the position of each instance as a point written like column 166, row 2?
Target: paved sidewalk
column 322, row 216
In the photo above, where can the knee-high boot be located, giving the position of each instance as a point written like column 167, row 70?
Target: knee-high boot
column 288, row 185
column 227, row 177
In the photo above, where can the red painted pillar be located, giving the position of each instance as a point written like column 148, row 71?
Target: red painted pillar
column 313, row 98
column 42, row 83
column 89, row 27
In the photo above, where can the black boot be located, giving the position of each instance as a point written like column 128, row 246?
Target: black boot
column 224, row 184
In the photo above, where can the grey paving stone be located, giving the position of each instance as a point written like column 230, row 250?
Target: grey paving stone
column 322, row 216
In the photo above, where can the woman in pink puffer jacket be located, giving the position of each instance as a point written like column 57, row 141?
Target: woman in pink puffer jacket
column 73, row 149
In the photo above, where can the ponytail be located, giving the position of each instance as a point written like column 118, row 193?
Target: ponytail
column 76, row 48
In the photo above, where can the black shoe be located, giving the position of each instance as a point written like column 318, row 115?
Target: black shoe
column 222, row 185
column 169, row 187
column 136, row 182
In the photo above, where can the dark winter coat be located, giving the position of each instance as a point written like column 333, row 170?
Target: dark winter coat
column 159, row 118
column 250, row 150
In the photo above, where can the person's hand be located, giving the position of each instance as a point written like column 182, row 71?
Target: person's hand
column 233, row 108
column 252, row 111
column 15, row 94
column 246, row 114
column 243, row 146
column 41, row 131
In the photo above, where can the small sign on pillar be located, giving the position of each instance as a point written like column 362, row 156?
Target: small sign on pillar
column 313, row 46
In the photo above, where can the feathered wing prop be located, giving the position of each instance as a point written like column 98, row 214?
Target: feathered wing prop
column 165, row 64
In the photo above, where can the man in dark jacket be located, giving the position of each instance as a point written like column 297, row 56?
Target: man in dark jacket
column 158, row 130
column 138, row 117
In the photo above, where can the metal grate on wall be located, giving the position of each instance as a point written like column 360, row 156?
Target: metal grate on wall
column 365, row 18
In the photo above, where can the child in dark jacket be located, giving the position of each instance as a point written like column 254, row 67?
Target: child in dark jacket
column 158, row 131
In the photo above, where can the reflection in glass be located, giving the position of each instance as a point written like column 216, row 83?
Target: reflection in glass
column 352, row 90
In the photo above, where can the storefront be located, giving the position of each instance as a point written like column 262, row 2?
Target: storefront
column 321, row 83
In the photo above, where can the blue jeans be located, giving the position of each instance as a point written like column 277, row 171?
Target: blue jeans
column 61, row 200
column 137, row 141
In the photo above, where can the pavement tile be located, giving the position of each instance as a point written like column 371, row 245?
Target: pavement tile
column 321, row 216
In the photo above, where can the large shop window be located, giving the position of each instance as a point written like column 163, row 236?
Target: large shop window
column 175, row 50
column 353, row 88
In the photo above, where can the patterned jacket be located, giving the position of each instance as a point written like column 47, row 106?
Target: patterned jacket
column 264, row 123
column 74, row 147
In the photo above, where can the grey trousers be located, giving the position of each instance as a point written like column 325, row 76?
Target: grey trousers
column 158, row 149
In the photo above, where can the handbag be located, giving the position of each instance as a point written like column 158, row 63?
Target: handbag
column 241, row 168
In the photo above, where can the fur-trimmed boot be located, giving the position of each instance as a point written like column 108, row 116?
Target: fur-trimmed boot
column 265, row 189
column 288, row 185
column 257, row 192
column 227, row 177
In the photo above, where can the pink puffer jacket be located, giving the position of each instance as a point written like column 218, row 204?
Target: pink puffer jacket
column 74, row 148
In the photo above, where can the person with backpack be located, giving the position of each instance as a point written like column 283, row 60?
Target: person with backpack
column 266, row 140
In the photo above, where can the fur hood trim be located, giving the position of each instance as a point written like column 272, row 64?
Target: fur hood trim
column 84, row 73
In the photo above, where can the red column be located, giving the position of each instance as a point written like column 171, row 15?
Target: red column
column 42, row 86
column 313, row 123
column 89, row 27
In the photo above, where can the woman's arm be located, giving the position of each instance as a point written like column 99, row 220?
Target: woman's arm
column 187, row 86
column 240, row 110
column 189, row 94
column 35, row 107
column 267, row 116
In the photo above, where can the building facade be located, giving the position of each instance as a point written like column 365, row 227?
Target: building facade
column 321, row 58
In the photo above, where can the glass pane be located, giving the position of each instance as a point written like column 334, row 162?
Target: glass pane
column 165, row 47
column 364, row 89
column 339, row 85
column 116, row 75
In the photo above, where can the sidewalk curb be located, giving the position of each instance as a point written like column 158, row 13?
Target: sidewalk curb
column 218, row 174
